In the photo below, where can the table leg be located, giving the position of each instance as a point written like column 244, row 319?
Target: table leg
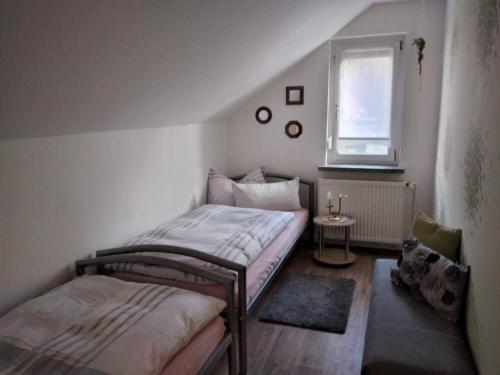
column 347, row 232
column 321, row 241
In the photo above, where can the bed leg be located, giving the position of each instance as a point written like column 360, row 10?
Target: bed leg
column 231, row 317
column 232, row 362
column 242, row 323
column 243, row 344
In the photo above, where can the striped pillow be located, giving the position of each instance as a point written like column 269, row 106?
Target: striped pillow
column 220, row 188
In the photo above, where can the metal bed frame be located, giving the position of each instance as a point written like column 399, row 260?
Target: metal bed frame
column 243, row 308
column 227, row 344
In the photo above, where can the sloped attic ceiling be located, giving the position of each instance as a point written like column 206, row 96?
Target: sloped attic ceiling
column 81, row 66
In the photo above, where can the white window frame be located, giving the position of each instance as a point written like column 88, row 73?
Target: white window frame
column 337, row 45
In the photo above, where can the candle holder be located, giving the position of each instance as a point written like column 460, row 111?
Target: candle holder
column 337, row 216
column 331, row 214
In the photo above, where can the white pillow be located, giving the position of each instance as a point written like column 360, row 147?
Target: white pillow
column 220, row 188
column 276, row 196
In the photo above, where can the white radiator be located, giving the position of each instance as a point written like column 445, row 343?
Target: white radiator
column 383, row 210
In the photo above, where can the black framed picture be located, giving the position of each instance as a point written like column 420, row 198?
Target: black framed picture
column 293, row 129
column 294, row 95
column 263, row 115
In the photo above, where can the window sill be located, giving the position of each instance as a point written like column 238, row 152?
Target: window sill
column 361, row 168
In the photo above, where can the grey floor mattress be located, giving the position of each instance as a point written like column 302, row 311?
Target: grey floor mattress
column 405, row 336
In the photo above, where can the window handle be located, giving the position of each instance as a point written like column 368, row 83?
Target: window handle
column 336, row 112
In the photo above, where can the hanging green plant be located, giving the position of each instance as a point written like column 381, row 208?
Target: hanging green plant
column 420, row 44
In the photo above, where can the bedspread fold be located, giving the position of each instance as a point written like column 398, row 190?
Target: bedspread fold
column 232, row 233
column 101, row 325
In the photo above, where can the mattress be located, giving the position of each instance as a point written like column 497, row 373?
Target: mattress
column 190, row 359
column 88, row 323
column 268, row 260
column 235, row 234
column 257, row 271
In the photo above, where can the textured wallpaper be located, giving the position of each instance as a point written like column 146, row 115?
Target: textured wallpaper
column 467, row 190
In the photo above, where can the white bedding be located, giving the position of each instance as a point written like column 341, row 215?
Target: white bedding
column 98, row 325
column 233, row 233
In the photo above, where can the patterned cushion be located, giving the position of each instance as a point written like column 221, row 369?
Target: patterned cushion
column 220, row 188
column 432, row 278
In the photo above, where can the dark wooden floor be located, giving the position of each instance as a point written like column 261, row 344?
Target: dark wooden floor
column 279, row 349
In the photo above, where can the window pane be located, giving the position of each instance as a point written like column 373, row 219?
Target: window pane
column 363, row 146
column 365, row 93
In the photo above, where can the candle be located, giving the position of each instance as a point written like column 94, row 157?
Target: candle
column 340, row 201
column 329, row 195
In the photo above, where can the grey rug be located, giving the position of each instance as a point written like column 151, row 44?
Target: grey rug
column 308, row 301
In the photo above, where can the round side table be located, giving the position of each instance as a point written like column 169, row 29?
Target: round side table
column 334, row 257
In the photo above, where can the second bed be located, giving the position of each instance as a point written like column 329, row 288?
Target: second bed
column 252, row 243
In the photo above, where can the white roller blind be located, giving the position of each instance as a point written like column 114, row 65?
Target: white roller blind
column 365, row 97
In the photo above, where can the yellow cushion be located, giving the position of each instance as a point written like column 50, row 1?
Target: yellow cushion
column 438, row 237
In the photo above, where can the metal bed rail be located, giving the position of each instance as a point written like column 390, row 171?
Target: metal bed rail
column 227, row 344
column 242, row 308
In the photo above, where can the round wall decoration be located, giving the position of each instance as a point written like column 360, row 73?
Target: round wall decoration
column 263, row 115
column 293, row 129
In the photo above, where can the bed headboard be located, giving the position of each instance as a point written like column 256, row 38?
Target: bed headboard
column 306, row 193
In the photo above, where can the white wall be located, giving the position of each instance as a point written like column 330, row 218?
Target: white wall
column 468, row 163
column 94, row 67
column 64, row 197
column 251, row 144
column 88, row 65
